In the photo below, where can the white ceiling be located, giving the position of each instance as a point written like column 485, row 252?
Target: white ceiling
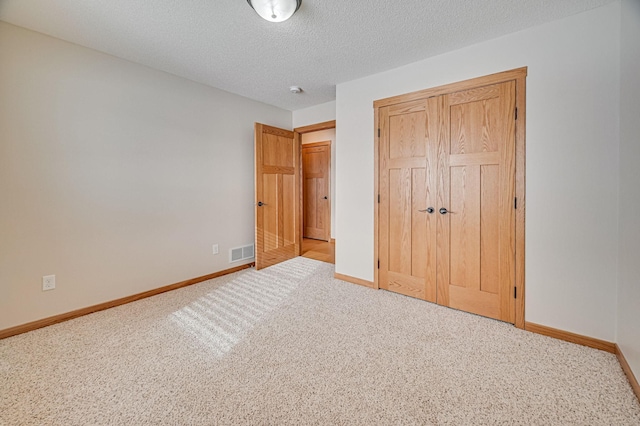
column 225, row 44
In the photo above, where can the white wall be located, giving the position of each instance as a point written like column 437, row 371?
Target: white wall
column 114, row 177
column 321, row 136
column 315, row 114
column 628, row 329
column 572, row 160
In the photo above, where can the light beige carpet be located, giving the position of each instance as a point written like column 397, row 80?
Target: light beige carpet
column 292, row 345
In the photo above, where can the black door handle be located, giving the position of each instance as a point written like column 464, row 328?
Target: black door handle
column 444, row 211
column 326, row 198
column 260, row 204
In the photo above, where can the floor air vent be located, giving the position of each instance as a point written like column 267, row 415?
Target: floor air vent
column 241, row 253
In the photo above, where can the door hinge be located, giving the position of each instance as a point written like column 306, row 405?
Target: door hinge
column 515, row 292
column 378, row 132
column 378, row 198
column 515, row 203
column 516, row 113
column 378, row 263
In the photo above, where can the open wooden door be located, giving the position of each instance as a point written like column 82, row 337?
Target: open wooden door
column 277, row 168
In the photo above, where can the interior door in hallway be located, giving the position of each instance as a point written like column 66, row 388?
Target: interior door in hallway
column 406, row 181
column 316, row 163
column 476, row 215
column 277, row 200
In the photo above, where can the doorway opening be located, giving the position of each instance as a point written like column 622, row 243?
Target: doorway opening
column 317, row 162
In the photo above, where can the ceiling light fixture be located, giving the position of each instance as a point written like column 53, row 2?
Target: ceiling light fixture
column 275, row 10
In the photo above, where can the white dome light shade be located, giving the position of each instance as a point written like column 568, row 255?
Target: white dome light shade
column 275, row 10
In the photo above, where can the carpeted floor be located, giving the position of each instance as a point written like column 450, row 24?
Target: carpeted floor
column 292, row 345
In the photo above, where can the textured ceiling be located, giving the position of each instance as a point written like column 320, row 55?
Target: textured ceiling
column 225, row 44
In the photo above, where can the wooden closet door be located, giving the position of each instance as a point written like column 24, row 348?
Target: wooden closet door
column 476, row 190
column 406, row 229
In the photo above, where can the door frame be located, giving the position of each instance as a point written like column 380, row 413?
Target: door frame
column 312, row 145
column 325, row 125
column 519, row 76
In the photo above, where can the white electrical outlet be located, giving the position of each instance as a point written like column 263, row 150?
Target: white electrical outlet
column 215, row 249
column 48, row 282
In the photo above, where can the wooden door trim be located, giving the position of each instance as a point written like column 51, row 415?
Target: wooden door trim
column 257, row 191
column 315, row 145
column 519, row 76
column 299, row 224
column 316, row 127
column 299, row 131
column 521, row 108
column 376, row 196
column 446, row 89
column 297, row 141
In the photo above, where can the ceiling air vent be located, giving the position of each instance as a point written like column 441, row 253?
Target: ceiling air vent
column 241, row 253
